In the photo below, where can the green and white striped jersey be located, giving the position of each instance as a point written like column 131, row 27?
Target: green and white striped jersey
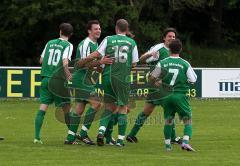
column 83, row 76
column 176, row 72
column 54, row 52
column 162, row 53
column 124, row 51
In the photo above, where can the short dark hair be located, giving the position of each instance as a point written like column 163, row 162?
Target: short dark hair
column 175, row 46
column 66, row 29
column 167, row 30
column 91, row 22
column 122, row 25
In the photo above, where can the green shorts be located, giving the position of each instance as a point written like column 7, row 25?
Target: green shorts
column 53, row 90
column 157, row 94
column 116, row 91
column 83, row 87
column 177, row 103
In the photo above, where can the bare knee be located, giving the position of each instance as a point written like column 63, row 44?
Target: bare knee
column 169, row 121
column 43, row 107
column 148, row 108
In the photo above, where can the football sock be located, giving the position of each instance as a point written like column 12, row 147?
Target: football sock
column 74, row 123
column 141, row 118
column 173, row 135
column 38, row 123
column 122, row 125
column 105, row 119
column 109, row 130
column 89, row 118
column 187, row 133
column 167, row 131
column 67, row 119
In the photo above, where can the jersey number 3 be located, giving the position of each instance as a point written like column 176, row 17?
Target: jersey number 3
column 54, row 57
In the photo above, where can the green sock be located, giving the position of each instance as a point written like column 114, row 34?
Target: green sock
column 167, row 131
column 173, row 135
column 122, row 125
column 89, row 117
column 74, row 123
column 187, row 133
column 141, row 118
column 38, row 123
column 105, row 119
column 109, row 130
column 67, row 119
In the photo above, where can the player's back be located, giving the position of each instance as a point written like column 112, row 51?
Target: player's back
column 55, row 50
column 120, row 48
column 175, row 73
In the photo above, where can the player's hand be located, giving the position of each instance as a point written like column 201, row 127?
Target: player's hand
column 106, row 60
column 155, row 54
column 158, row 83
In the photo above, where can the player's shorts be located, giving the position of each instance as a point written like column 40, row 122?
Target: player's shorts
column 177, row 103
column 83, row 87
column 115, row 91
column 59, row 94
column 157, row 94
column 154, row 97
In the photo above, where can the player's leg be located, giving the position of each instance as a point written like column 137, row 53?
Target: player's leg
column 108, row 134
column 39, row 121
column 95, row 106
column 109, row 108
column 104, row 121
column 169, row 114
column 185, row 114
column 122, row 124
column 141, row 118
column 74, row 122
column 46, row 98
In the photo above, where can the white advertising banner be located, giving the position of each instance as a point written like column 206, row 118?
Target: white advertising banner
column 221, row 83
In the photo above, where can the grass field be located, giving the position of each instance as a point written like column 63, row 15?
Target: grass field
column 216, row 138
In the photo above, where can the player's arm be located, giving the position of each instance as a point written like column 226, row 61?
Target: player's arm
column 150, row 56
column 155, row 75
column 99, row 62
column 191, row 75
column 67, row 54
column 83, row 62
column 135, row 58
column 42, row 55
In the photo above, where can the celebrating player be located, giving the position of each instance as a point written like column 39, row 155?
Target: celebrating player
column 152, row 57
column 85, row 88
column 123, row 51
column 54, row 59
column 178, row 73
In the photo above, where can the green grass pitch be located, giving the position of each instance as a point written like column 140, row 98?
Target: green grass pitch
column 216, row 136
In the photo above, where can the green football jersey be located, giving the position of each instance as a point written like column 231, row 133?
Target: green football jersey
column 85, row 48
column 53, row 53
column 162, row 53
column 175, row 72
column 124, row 52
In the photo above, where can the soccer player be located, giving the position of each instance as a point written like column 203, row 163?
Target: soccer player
column 54, row 59
column 116, row 84
column 85, row 88
column 152, row 57
column 177, row 73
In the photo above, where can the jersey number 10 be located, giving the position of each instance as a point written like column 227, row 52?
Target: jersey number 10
column 54, row 57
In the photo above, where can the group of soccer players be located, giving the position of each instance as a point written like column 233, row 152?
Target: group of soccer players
column 114, row 58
